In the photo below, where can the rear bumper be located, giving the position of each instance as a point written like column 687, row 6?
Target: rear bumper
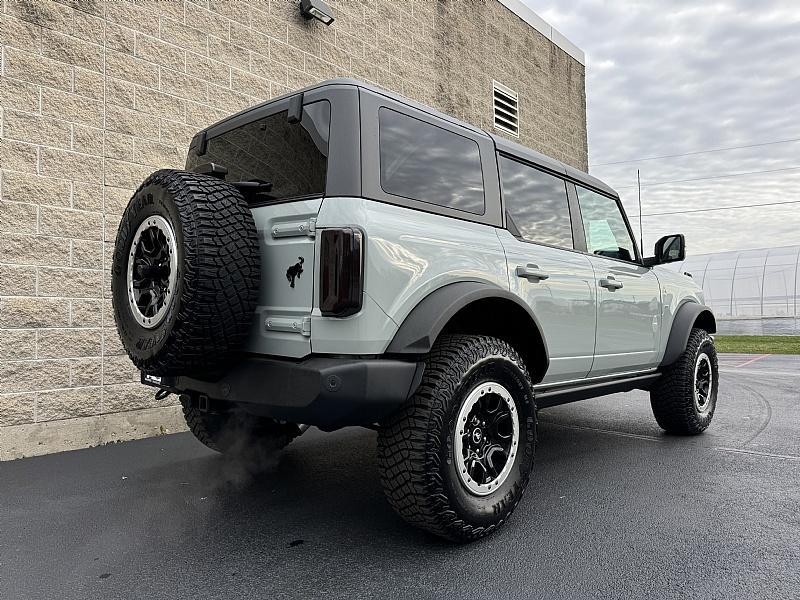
column 327, row 392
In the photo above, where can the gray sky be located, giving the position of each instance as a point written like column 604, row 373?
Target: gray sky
column 676, row 77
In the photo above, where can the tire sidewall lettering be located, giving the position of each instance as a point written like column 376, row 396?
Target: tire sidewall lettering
column 149, row 200
column 217, row 279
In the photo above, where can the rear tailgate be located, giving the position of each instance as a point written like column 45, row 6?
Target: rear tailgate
column 286, row 298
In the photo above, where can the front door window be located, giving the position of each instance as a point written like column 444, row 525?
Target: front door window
column 606, row 231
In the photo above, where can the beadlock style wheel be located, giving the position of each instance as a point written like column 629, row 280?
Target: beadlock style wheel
column 703, row 383
column 456, row 458
column 152, row 271
column 486, row 438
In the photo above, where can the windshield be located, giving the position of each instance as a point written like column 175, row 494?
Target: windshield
column 293, row 157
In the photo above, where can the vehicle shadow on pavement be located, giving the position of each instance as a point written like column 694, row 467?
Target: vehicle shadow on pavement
column 321, row 487
column 325, row 488
column 167, row 517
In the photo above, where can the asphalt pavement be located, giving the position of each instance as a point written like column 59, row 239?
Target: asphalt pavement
column 615, row 509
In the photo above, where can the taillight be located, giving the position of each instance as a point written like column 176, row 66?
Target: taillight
column 342, row 272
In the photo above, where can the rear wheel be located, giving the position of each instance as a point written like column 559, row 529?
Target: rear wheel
column 456, row 458
column 236, row 433
column 685, row 396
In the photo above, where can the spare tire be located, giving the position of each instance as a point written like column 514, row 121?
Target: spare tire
column 185, row 274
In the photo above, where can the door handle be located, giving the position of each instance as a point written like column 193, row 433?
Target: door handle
column 610, row 283
column 532, row 273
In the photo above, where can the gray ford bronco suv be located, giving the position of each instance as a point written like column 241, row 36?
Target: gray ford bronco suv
column 344, row 256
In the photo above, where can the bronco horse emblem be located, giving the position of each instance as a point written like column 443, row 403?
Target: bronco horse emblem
column 294, row 271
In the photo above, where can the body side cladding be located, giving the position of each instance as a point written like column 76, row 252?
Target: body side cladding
column 435, row 312
column 688, row 315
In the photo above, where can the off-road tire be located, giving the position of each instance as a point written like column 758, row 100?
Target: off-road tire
column 672, row 395
column 218, row 272
column 236, row 433
column 416, row 444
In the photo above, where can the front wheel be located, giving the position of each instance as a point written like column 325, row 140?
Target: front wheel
column 685, row 396
column 457, row 457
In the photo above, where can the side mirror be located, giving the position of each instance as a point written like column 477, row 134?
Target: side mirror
column 670, row 248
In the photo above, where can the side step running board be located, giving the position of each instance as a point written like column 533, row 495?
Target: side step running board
column 563, row 395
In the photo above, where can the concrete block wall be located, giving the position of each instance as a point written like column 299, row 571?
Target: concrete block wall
column 95, row 95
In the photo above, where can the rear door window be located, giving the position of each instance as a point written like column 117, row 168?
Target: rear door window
column 421, row 161
column 536, row 204
column 291, row 156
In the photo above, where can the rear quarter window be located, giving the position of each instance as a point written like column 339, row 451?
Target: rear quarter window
column 423, row 162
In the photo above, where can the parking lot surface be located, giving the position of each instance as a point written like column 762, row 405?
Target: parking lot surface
column 614, row 509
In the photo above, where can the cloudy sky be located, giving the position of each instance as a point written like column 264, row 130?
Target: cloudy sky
column 666, row 78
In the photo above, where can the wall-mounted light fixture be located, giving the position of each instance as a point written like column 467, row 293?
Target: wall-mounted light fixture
column 316, row 9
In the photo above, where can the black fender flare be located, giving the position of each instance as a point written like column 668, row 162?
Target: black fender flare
column 425, row 322
column 686, row 316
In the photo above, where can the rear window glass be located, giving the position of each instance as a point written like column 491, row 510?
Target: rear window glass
column 424, row 162
column 291, row 156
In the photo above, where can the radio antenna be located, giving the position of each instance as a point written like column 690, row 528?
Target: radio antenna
column 641, row 228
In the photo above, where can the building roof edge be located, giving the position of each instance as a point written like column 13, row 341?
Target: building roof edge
column 524, row 12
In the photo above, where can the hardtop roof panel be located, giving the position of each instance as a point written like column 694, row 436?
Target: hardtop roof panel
column 502, row 144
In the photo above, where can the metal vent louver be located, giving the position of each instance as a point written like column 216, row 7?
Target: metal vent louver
column 506, row 109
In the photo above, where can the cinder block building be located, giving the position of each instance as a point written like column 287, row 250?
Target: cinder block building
column 97, row 94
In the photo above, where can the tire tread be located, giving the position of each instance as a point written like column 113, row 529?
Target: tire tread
column 408, row 444
column 222, row 263
column 236, row 433
column 671, row 396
